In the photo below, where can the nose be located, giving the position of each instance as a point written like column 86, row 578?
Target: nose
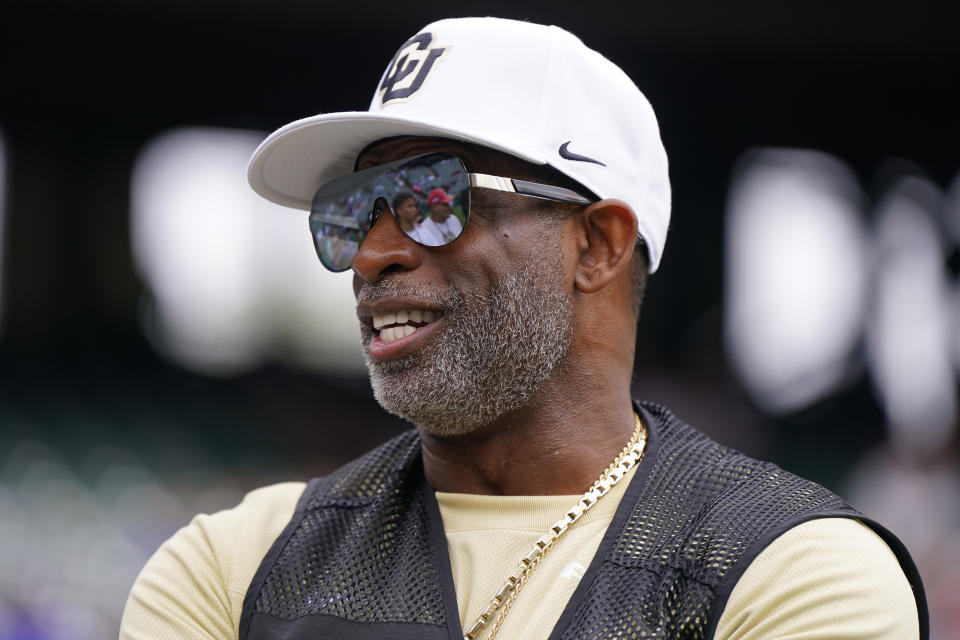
column 385, row 249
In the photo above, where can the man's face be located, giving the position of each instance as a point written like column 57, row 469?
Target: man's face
column 408, row 211
column 440, row 211
column 459, row 335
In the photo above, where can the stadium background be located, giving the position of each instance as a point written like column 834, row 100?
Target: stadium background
column 168, row 342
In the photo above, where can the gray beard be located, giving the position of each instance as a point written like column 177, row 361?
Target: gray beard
column 494, row 353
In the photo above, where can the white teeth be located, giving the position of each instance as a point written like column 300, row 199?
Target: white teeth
column 395, row 333
column 393, row 325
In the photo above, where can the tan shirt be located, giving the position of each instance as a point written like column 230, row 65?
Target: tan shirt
column 829, row 578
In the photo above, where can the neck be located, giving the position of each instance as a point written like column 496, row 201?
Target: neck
column 557, row 445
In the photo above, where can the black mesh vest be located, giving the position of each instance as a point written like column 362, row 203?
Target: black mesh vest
column 365, row 556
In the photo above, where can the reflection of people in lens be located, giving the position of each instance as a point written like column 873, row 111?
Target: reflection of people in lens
column 339, row 247
column 442, row 226
column 408, row 214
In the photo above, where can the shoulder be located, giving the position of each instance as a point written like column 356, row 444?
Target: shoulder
column 789, row 557
column 428, row 232
column 235, row 538
column 266, row 503
column 830, row 577
column 725, row 490
column 193, row 585
column 245, row 532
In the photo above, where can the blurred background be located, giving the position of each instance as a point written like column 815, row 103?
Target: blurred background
column 168, row 341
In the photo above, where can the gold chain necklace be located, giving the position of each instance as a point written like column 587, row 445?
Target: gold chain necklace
column 628, row 458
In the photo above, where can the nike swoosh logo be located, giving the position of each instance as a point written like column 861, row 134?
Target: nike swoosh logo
column 569, row 155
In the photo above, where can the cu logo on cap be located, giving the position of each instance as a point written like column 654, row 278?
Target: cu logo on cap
column 409, row 68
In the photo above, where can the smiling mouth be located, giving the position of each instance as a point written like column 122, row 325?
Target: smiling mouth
column 400, row 324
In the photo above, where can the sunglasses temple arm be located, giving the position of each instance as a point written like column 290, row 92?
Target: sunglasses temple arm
column 484, row 181
column 545, row 191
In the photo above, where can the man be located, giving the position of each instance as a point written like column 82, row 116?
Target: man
column 534, row 499
column 442, row 226
column 408, row 215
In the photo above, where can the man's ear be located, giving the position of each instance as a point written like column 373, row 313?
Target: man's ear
column 607, row 234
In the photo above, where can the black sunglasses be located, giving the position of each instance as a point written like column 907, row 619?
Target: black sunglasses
column 428, row 195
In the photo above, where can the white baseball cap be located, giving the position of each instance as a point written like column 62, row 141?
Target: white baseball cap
column 532, row 91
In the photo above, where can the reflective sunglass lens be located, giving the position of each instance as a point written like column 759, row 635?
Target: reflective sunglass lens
column 429, row 196
column 338, row 226
column 336, row 249
column 433, row 206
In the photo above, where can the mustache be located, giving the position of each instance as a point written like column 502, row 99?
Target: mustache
column 446, row 298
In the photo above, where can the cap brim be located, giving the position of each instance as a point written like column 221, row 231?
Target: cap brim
column 291, row 164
